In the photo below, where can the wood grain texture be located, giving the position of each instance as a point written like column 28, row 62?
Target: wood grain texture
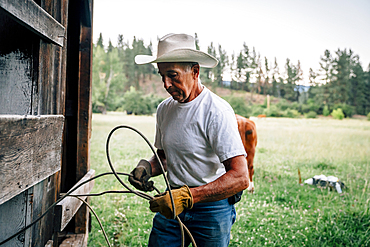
column 67, row 208
column 35, row 18
column 30, row 151
column 74, row 240
column 84, row 118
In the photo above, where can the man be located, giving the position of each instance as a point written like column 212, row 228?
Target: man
column 198, row 142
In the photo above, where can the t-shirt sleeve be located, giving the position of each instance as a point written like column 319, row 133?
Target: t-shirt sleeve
column 158, row 134
column 224, row 137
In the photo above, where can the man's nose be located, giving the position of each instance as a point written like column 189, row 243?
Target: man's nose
column 167, row 83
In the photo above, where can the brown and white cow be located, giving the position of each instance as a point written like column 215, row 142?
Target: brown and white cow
column 248, row 132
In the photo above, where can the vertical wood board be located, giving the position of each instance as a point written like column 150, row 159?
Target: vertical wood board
column 15, row 83
column 12, row 219
column 84, row 118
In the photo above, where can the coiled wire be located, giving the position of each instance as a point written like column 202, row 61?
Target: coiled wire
column 138, row 193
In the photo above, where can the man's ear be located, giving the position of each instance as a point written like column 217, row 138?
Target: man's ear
column 195, row 70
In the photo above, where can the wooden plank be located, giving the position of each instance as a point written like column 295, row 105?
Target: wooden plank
column 44, row 194
column 28, row 216
column 74, row 240
column 35, row 18
column 67, row 208
column 49, row 243
column 30, row 151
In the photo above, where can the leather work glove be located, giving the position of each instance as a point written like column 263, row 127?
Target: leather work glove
column 162, row 202
column 140, row 176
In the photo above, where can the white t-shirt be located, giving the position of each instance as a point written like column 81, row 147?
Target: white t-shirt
column 196, row 138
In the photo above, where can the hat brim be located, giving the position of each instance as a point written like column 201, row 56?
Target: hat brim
column 180, row 55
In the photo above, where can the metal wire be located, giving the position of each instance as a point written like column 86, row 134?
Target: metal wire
column 182, row 226
column 55, row 203
column 97, row 218
column 154, row 152
column 138, row 193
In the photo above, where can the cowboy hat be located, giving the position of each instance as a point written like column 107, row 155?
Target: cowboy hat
column 178, row 48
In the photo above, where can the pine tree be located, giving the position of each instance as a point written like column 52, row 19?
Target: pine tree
column 275, row 76
column 233, row 70
column 260, row 75
column 291, row 73
column 196, row 41
column 266, row 83
column 340, row 87
column 367, row 90
column 298, row 78
column 312, row 83
column 210, row 78
column 326, row 71
column 240, row 66
column 100, row 41
column 357, row 96
column 250, row 66
column 219, row 69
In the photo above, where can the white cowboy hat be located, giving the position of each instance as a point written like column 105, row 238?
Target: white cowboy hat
column 178, row 48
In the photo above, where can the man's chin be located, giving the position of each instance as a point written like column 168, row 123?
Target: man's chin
column 176, row 97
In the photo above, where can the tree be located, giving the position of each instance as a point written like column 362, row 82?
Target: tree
column 240, row 66
column 210, row 73
column 341, row 76
column 275, row 76
column 297, row 79
column 100, row 41
column 260, row 75
column 196, row 41
column 249, row 66
column 233, row 70
column 326, row 71
column 291, row 73
column 266, row 83
column 219, row 69
column 367, row 89
column 312, row 83
column 357, row 96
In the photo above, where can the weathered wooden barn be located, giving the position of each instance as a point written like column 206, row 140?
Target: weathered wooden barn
column 45, row 119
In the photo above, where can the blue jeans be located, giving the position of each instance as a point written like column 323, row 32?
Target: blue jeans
column 209, row 223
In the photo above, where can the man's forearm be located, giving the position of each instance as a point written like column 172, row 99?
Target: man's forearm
column 156, row 169
column 234, row 180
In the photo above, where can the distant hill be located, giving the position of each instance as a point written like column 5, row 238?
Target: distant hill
column 155, row 86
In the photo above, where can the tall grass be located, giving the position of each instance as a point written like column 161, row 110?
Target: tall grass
column 280, row 212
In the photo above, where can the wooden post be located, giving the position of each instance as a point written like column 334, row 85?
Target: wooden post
column 84, row 119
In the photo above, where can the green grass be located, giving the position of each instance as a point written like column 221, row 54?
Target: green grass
column 280, row 212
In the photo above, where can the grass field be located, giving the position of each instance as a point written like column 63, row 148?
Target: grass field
column 280, row 212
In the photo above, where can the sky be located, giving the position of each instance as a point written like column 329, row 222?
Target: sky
column 295, row 29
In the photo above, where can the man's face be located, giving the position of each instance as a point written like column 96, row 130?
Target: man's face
column 181, row 83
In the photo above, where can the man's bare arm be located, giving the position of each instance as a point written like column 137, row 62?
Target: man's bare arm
column 234, row 180
column 156, row 169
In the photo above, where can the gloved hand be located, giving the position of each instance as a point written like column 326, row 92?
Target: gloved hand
column 140, row 176
column 162, row 203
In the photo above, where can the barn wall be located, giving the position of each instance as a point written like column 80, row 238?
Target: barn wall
column 18, row 88
column 35, row 79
